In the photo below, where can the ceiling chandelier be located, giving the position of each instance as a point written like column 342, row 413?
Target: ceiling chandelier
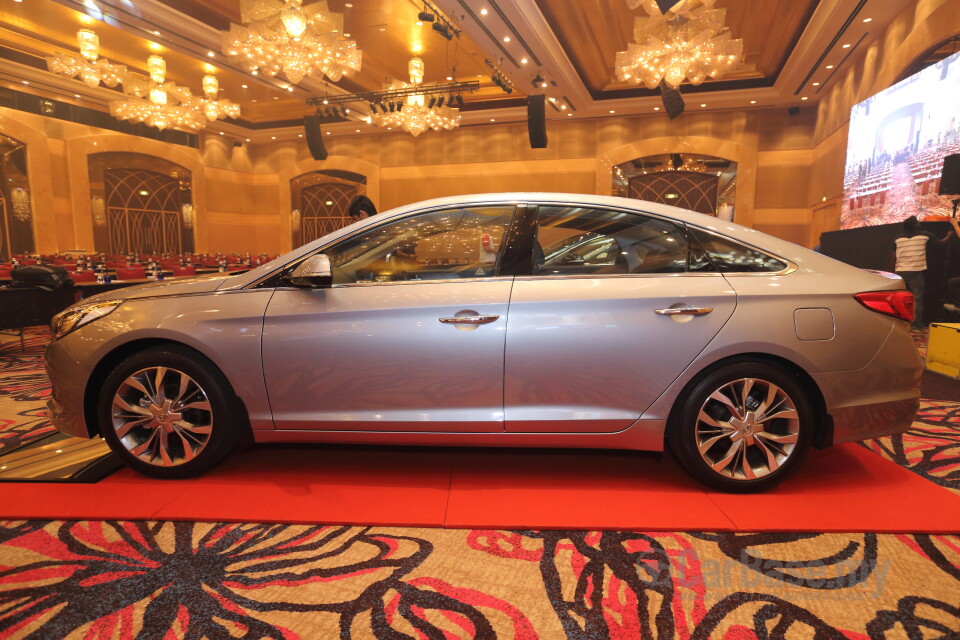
column 212, row 108
column 691, row 45
column 282, row 35
column 157, row 103
column 88, row 66
column 414, row 114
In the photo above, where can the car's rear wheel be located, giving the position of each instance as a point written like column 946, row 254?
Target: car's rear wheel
column 743, row 427
column 165, row 412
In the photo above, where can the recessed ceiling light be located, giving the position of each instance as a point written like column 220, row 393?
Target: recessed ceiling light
column 382, row 28
column 346, row 35
column 244, row 86
column 419, row 23
column 290, row 89
column 299, row 135
column 273, row 137
column 543, row 84
column 612, row 111
column 358, row 130
column 221, row 133
column 328, row 133
column 156, row 33
column 254, row 100
column 275, row 98
column 868, row 19
column 483, row 12
column 804, row 98
column 753, row 102
column 563, row 106
column 493, row 119
column 254, row 72
column 569, row 115
column 506, row 38
column 703, row 104
column 656, row 108
column 26, row 82
column 248, row 139
column 846, row 46
column 211, row 54
column 349, row 5
column 816, row 84
column 523, row 61
column 346, row 110
column 829, row 66
column 449, row 77
column 76, row 95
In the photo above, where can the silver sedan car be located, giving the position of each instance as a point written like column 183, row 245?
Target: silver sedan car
column 520, row 319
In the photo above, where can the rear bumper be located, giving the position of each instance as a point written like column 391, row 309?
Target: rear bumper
column 69, row 379
column 882, row 398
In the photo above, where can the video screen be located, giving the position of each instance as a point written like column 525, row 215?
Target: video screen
column 895, row 150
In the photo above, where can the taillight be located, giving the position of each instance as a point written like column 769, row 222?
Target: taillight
column 899, row 304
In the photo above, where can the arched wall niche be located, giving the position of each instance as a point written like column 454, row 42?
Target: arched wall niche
column 329, row 167
column 745, row 157
column 78, row 152
column 323, row 200
column 40, row 174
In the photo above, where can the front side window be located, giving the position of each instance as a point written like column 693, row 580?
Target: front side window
column 730, row 256
column 464, row 242
column 579, row 240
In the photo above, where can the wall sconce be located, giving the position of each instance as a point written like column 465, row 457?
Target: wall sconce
column 98, row 207
column 295, row 220
column 186, row 211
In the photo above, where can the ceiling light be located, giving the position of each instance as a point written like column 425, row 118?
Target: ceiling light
column 221, row 133
column 829, row 66
column 211, row 54
column 868, row 19
column 248, row 139
column 76, row 95
column 413, row 113
column 349, row 5
column 443, row 30
column 688, row 48
column 612, row 111
column 425, row 16
column 537, row 81
column 523, row 61
column 483, row 12
column 244, row 86
column 88, row 66
column 846, row 46
column 563, row 107
column 156, row 33
column 305, row 41
column 816, row 84
column 703, row 104
column 273, row 137
column 753, row 102
column 543, row 85
column 656, row 108
column 449, row 77
column 804, row 98
column 493, row 119
column 419, row 23
column 25, row 81
column 569, row 114
column 506, row 39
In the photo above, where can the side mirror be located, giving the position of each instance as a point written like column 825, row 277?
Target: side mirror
column 313, row 273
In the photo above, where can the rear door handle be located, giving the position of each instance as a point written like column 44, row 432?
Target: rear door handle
column 688, row 311
column 469, row 319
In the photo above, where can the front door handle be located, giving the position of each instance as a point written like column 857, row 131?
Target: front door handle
column 687, row 311
column 469, row 319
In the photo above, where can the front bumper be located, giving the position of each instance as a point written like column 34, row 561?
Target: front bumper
column 69, row 381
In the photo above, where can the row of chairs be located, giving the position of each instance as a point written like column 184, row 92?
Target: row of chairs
column 123, row 273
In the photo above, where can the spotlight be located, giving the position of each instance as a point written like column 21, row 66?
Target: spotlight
column 373, row 107
column 334, row 112
column 538, row 81
column 425, row 16
column 443, row 30
column 393, row 107
column 440, row 102
column 459, row 99
column 432, row 103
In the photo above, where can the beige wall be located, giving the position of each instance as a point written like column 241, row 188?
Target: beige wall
column 790, row 167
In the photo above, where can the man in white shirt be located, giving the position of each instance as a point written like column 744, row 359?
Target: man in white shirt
column 912, row 260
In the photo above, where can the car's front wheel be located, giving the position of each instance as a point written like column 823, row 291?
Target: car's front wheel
column 165, row 412
column 743, row 427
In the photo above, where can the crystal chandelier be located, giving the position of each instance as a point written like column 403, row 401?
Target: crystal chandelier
column 20, row 199
column 282, row 35
column 690, row 45
column 413, row 114
column 212, row 108
column 88, row 65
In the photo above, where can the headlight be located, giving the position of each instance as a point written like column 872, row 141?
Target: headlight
column 75, row 317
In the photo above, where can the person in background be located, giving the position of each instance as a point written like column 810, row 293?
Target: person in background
column 911, row 251
column 362, row 208
column 953, row 293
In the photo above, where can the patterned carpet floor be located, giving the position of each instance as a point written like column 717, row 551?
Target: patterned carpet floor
column 171, row 580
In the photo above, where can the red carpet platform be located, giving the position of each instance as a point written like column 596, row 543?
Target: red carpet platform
column 847, row 488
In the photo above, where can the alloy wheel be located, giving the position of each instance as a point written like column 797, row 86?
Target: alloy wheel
column 162, row 416
column 747, row 429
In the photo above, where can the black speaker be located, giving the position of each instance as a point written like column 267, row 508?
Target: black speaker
column 672, row 101
column 793, row 111
column 950, row 177
column 537, row 121
column 311, row 129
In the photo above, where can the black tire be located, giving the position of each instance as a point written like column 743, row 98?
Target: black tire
column 195, row 419
column 769, row 449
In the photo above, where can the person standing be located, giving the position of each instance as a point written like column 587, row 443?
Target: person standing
column 911, row 249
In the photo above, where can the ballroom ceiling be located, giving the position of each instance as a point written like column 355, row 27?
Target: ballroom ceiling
column 792, row 51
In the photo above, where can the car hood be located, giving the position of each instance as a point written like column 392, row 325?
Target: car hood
column 181, row 286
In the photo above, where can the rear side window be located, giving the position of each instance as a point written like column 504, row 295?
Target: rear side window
column 580, row 240
column 730, row 256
